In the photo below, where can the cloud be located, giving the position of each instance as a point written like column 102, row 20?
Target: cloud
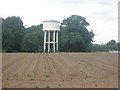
column 105, row 2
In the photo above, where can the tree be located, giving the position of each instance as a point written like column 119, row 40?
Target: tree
column 12, row 33
column 118, row 44
column 111, row 42
column 110, row 46
column 74, row 35
column 33, row 39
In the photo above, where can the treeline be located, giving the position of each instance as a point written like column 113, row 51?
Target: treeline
column 110, row 46
column 17, row 38
column 73, row 37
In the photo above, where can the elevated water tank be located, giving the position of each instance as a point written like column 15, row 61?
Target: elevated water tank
column 51, row 25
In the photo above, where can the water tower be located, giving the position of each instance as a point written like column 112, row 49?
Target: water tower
column 51, row 29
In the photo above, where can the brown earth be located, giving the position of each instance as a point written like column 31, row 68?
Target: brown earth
column 60, row 70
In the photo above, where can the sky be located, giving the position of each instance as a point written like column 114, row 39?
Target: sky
column 102, row 15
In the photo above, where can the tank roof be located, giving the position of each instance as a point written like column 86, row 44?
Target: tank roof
column 51, row 21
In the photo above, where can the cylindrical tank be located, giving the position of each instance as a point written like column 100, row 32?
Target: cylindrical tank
column 51, row 25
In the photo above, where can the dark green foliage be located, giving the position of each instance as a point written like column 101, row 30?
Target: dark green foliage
column 33, row 39
column 105, row 47
column 17, row 38
column 118, row 44
column 111, row 42
column 12, row 34
column 99, row 48
column 74, row 36
column 47, row 86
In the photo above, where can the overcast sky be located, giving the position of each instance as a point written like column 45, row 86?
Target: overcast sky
column 102, row 15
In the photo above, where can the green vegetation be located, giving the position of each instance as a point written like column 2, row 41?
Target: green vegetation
column 17, row 38
column 105, row 47
column 73, row 37
column 47, row 86
column 33, row 39
column 36, row 86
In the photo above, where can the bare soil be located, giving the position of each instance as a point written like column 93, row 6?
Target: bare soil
column 60, row 70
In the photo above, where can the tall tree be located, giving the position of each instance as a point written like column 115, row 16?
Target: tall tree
column 12, row 33
column 74, row 35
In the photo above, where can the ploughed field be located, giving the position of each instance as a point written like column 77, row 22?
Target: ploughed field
column 60, row 70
